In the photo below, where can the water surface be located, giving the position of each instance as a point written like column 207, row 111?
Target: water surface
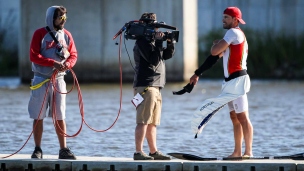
column 276, row 110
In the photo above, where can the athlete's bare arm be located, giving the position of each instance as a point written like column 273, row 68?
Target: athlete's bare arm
column 218, row 47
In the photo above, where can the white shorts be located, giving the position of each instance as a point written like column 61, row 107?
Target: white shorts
column 37, row 99
column 239, row 105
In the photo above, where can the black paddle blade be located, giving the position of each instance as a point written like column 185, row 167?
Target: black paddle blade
column 188, row 88
column 185, row 156
column 183, row 91
column 299, row 156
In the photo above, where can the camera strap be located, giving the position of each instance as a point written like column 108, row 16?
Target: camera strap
column 51, row 33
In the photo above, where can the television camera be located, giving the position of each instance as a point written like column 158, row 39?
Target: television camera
column 139, row 29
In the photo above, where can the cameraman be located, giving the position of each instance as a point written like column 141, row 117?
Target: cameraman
column 149, row 79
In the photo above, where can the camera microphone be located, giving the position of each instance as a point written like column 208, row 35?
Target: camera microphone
column 160, row 25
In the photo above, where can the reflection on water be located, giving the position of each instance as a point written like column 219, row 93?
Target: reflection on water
column 276, row 112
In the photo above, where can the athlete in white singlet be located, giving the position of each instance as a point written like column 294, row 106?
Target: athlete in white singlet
column 233, row 48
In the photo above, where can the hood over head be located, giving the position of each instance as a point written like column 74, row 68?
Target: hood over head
column 49, row 16
column 52, row 13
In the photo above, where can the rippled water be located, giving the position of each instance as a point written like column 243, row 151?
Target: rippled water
column 276, row 111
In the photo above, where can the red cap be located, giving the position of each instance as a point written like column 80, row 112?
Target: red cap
column 235, row 12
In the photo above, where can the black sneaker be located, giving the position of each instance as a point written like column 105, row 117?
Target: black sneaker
column 66, row 153
column 159, row 156
column 37, row 153
column 142, row 156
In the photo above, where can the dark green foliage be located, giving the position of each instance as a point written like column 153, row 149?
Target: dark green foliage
column 8, row 62
column 269, row 56
column 206, row 41
column 8, row 57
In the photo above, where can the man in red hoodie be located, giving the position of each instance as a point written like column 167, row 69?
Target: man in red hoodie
column 50, row 53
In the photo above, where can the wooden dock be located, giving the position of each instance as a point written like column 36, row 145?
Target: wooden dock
column 23, row 162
